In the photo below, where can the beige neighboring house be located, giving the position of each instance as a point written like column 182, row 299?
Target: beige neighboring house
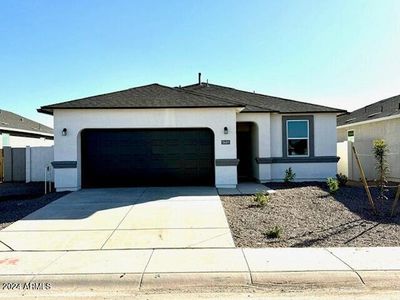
column 18, row 132
column 380, row 120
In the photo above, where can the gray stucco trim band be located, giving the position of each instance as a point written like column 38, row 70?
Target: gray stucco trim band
column 315, row 159
column 226, row 162
column 64, row 164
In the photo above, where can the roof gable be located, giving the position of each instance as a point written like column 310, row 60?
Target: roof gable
column 12, row 121
column 383, row 108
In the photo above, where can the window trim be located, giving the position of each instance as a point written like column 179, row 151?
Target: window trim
column 310, row 119
column 298, row 138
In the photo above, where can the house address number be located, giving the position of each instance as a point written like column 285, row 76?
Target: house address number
column 225, row 142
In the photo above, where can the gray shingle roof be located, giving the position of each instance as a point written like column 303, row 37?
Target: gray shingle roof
column 148, row 96
column 16, row 122
column 384, row 108
column 193, row 96
column 257, row 102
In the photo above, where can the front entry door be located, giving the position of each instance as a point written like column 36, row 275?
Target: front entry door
column 244, row 151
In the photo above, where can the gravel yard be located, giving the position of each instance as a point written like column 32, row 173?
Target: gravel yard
column 310, row 217
column 19, row 200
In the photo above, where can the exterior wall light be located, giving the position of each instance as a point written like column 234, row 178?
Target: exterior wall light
column 226, row 130
column 64, row 132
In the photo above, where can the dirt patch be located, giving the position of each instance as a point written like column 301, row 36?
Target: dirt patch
column 14, row 209
column 310, row 217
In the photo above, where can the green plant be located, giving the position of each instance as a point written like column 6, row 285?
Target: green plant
column 333, row 185
column 274, row 233
column 289, row 175
column 380, row 150
column 261, row 199
column 342, row 179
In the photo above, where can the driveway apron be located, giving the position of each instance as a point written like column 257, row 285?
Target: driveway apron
column 124, row 218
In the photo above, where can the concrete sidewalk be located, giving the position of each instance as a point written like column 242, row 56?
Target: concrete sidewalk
column 149, row 269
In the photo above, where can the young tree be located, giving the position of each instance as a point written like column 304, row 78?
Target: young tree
column 380, row 150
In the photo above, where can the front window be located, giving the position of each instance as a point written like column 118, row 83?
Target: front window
column 297, row 137
column 350, row 136
column 5, row 139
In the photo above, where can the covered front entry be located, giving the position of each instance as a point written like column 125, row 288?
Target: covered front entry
column 244, row 140
column 147, row 157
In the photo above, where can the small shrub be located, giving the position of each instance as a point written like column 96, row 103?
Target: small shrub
column 333, row 185
column 342, row 179
column 274, row 233
column 289, row 175
column 261, row 199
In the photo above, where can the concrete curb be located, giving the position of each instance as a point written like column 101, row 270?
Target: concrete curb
column 381, row 279
column 308, row 280
column 194, row 280
column 134, row 283
column 174, row 269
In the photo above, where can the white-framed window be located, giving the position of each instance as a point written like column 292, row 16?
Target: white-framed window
column 298, row 138
column 350, row 135
column 5, row 139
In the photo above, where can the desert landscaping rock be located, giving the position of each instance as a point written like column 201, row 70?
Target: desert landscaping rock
column 15, row 208
column 310, row 217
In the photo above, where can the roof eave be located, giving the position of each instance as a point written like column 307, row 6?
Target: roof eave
column 45, row 111
column 356, row 123
column 338, row 112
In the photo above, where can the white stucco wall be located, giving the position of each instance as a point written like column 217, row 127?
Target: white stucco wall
column 270, row 145
column 266, row 144
column 324, row 134
column 324, row 145
column 67, row 148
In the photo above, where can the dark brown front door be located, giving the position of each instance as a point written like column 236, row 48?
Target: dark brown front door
column 244, row 151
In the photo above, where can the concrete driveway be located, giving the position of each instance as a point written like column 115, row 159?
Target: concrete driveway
column 125, row 218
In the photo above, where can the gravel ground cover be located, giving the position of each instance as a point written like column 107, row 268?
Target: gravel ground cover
column 310, row 217
column 15, row 205
column 9, row 190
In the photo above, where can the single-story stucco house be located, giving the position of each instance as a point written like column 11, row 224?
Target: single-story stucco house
column 202, row 134
column 18, row 131
column 380, row 120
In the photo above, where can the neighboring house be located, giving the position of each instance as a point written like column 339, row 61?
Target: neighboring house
column 380, row 120
column 17, row 131
column 202, row 134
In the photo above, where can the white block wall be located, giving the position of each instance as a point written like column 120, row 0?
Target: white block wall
column 37, row 159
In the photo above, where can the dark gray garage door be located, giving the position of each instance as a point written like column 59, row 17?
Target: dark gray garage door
column 151, row 157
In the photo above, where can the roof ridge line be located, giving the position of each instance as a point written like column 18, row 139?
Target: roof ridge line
column 376, row 102
column 230, row 101
column 264, row 95
column 211, row 97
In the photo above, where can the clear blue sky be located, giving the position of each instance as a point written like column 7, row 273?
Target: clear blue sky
column 338, row 53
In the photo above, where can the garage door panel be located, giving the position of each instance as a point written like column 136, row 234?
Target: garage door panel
column 147, row 157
